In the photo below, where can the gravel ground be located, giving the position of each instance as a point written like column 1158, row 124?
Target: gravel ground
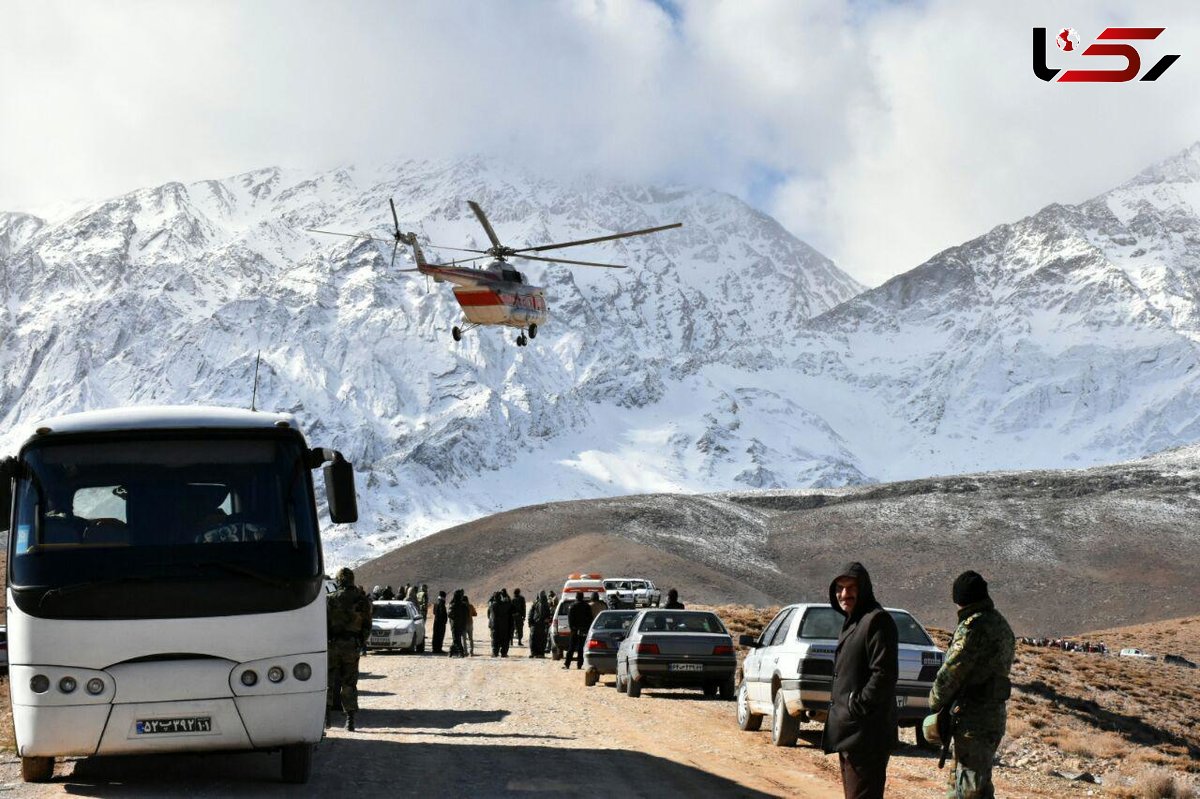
column 482, row 727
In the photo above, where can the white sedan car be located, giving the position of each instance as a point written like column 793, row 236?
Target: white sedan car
column 396, row 624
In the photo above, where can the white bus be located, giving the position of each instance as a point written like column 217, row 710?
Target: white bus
column 165, row 588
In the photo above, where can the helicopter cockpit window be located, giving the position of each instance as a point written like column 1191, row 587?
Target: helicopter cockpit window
column 512, row 275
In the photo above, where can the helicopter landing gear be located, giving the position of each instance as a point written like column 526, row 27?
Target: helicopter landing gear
column 456, row 332
column 521, row 340
column 532, row 330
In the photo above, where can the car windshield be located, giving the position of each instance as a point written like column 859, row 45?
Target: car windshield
column 615, row 619
column 98, row 514
column 825, row 622
column 385, row 611
column 666, row 621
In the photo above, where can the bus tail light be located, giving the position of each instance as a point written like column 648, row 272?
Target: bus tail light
column 67, row 685
column 276, row 674
column 39, row 683
column 94, row 686
column 249, row 677
column 302, row 671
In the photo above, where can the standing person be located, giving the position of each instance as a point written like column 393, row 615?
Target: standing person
column 518, row 617
column 423, row 607
column 597, row 605
column 500, row 620
column 973, row 682
column 539, row 626
column 440, row 616
column 347, row 621
column 460, row 617
column 580, row 619
column 471, row 614
column 861, row 726
column 673, row 602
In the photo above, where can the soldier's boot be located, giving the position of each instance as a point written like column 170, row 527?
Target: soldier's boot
column 349, row 722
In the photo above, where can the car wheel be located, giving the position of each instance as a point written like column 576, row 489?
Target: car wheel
column 726, row 688
column 710, row 689
column 297, row 763
column 747, row 721
column 590, row 678
column 633, row 688
column 37, row 769
column 784, row 728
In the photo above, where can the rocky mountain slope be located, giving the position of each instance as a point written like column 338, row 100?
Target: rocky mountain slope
column 166, row 295
column 1065, row 551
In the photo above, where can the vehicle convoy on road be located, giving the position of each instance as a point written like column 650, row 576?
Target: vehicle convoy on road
column 677, row 649
column 165, row 585
column 634, row 592
column 396, row 624
column 604, row 638
column 789, row 669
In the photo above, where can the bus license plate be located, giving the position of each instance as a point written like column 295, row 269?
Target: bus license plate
column 685, row 667
column 190, row 724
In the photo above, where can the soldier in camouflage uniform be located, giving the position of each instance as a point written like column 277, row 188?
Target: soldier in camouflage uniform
column 974, row 682
column 348, row 623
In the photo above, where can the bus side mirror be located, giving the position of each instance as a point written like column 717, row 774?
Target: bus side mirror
column 8, row 471
column 339, row 490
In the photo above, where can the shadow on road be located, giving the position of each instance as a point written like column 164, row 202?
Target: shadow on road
column 354, row 766
column 428, row 719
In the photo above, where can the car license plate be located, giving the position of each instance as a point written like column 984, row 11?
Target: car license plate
column 901, row 701
column 379, row 641
column 685, row 667
column 159, row 726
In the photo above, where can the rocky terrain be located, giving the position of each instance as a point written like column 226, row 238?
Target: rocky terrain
column 1065, row 551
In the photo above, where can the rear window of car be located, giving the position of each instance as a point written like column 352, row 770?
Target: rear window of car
column 614, row 620
column 827, row 623
column 668, row 622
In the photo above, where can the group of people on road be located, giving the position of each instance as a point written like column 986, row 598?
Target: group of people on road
column 1067, row 645
column 970, row 690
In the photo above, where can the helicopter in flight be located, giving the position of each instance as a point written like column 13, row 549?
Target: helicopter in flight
column 496, row 294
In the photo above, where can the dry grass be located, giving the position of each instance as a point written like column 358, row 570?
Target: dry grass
column 1155, row 783
column 1092, row 745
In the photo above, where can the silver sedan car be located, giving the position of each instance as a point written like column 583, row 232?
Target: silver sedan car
column 677, row 649
column 608, row 630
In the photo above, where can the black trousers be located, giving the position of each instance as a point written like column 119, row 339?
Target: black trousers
column 576, row 645
column 864, row 774
column 439, row 635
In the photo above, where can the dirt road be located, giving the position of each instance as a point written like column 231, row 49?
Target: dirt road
column 443, row 727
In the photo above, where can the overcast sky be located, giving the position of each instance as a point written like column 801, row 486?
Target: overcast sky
column 879, row 132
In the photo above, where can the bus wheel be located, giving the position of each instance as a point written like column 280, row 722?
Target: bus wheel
column 297, row 763
column 37, row 769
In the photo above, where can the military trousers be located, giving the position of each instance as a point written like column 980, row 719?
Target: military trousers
column 343, row 676
column 972, row 774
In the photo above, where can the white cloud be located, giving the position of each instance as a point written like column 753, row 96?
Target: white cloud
column 889, row 130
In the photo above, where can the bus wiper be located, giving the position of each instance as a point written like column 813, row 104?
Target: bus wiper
column 72, row 588
column 244, row 571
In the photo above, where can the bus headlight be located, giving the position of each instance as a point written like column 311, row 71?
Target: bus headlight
column 95, row 686
column 67, row 685
column 276, row 674
column 249, row 678
column 302, row 671
column 39, row 684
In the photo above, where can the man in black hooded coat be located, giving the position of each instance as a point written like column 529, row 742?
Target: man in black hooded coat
column 861, row 726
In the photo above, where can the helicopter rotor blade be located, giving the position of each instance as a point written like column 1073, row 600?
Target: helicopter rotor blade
column 348, row 235
column 483, row 220
column 395, row 218
column 612, row 237
column 564, row 261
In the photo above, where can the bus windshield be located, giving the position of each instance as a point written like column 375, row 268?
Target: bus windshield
column 160, row 527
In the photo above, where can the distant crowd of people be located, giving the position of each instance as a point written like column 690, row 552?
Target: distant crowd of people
column 1067, row 645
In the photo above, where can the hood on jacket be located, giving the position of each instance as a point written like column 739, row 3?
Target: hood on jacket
column 866, row 592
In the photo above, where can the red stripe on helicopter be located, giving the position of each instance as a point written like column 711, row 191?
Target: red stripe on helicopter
column 474, row 298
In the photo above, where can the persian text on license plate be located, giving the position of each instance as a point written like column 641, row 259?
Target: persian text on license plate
column 901, row 701
column 378, row 641
column 685, row 667
column 189, row 724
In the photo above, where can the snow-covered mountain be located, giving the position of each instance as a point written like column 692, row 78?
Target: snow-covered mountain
column 729, row 356
column 643, row 379
column 1068, row 338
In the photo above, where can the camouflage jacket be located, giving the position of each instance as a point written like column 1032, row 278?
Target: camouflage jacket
column 348, row 615
column 975, row 674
